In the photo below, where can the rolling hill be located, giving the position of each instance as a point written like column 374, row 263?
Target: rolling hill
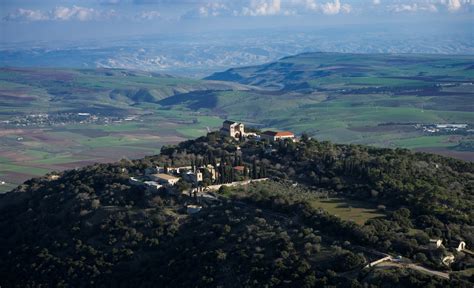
column 86, row 90
column 349, row 98
column 384, row 100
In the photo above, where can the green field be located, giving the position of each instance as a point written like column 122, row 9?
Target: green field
column 349, row 210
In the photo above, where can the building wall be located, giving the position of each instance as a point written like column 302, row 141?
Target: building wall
column 284, row 137
column 234, row 129
column 267, row 137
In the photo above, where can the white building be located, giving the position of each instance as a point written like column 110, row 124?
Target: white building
column 233, row 129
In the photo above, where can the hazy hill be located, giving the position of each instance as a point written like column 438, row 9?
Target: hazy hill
column 326, row 70
column 106, row 90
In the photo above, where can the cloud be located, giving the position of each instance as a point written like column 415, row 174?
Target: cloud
column 328, row 8
column 262, row 8
column 60, row 13
column 454, row 5
column 376, row 2
column 210, row 9
column 213, row 9
column 149, row 15
column 415, row 7
column 311, row 5
column 331, row 8
column 431, row 6
column 247, row 8
column 26, row 15
column 74, row 13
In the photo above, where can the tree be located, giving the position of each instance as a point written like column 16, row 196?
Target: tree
column 254, row 169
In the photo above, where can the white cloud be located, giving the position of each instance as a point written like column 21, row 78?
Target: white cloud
column 256, row 8
column 149, row 15
column 430, row 6
column 213, row 9
column 60, row 13
column 415, row 7
column 307, row 4
column 210, row 9
column 262, row 8
column 26, row 15
column 74, row 13
column 328, row 8
column 454, row 5
column 376, row 2
column 331, row 8
column 405, row 7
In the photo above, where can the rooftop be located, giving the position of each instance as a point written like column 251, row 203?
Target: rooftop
column 281, row 133
column 165, row 176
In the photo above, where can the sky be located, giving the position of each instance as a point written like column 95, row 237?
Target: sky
column 56, row 20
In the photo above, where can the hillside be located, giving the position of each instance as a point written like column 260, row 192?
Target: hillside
column 92, row 227
column 108, row 91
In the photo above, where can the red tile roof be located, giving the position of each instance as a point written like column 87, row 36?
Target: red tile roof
column 279, row 134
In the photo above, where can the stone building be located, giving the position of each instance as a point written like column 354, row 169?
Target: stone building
column 233, row 129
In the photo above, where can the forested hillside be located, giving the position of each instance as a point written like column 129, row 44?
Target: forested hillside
column 92, row 227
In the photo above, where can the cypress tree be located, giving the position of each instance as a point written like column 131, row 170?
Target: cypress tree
column 254, row 169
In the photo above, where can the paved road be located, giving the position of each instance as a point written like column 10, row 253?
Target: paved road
column 414, row 267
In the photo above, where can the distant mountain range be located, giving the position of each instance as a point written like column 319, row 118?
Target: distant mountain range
column 200, row 55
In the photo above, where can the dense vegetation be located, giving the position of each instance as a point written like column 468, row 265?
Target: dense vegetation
column 91, row 227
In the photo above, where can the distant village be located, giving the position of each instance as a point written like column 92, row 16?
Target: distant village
column 444, row 128
column 61, row 119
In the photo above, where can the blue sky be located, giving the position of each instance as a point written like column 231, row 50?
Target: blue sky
column 23, row 20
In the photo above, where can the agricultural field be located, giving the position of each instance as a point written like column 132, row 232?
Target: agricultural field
column 42, row 150
column 355, row 98
column 348, row 210
column 346, row 98
column 40, row 131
